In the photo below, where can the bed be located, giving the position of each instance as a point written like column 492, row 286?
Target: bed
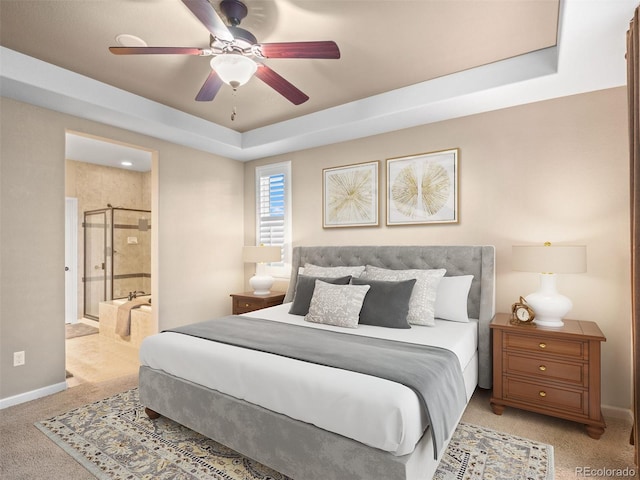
column 311, row 421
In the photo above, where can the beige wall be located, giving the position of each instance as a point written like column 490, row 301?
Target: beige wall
column 198, row 208
column 550, row 171
column 31, row 248
column 554, row 170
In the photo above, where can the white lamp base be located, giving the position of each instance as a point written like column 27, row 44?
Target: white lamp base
column 549, row 306
column 261, row 284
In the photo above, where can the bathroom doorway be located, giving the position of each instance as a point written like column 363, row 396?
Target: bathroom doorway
column 112, row 186
column 105, row 176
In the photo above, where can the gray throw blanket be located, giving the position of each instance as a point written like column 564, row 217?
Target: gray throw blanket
column 433, row 373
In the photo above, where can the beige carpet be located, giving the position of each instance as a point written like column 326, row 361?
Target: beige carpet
column 25, row 453
column 572, row 447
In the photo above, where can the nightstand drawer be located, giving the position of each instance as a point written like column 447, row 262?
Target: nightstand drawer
column 545, row 369
column 542, row 344
column 543, row 396
column 243, row 305
column 249, row 302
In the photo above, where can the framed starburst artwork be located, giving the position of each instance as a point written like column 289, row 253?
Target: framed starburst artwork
column 423, row 188
column 350, row 196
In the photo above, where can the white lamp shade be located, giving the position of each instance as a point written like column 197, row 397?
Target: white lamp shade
column 234, row 69
column 262, row 254
column 549, row 258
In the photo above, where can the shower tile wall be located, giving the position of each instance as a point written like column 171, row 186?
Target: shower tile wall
column 131, row 258
column 95, row 186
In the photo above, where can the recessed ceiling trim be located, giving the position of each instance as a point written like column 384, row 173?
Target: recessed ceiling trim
column 33, row 81
column 23, row 78
column 402, row 108
column 590, row 57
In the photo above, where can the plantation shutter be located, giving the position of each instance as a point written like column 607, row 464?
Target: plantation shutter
column 273, row 206
column 271, row 210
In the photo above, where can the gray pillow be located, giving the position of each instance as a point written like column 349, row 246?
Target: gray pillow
column 332, row 272
column 386, row 303
column 304, row 292
column 423, row 298
column 337, row 305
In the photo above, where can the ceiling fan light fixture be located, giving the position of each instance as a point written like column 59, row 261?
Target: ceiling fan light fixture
column 234, row 69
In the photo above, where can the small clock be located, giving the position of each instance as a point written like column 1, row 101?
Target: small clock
column 522, row 312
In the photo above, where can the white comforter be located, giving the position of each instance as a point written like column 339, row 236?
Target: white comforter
column 373, row 411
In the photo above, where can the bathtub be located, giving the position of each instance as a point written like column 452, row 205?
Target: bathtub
column 144, row 308
column 142, row 324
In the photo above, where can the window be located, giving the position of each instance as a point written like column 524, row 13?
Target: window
column 273, row 213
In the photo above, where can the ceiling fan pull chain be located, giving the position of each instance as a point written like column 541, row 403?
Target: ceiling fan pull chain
column 233, row 112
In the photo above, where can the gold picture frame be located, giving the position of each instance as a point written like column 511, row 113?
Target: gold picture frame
column 350, row 195
column 423, row 188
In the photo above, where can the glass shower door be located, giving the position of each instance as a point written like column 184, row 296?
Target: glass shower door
column 131, row 235
column 95, row 261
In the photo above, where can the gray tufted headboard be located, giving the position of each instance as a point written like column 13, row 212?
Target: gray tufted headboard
column 478, row 261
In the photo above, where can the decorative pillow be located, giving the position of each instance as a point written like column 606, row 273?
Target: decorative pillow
column 337, row 305
column 305, row 286
column 451, row 301
column 423, row 298
column 386, row 303
column 332, row 272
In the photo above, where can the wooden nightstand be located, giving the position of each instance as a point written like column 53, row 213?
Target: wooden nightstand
column 554, row 371
column 248, row 302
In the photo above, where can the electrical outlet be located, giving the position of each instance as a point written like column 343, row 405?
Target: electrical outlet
column 18, row 358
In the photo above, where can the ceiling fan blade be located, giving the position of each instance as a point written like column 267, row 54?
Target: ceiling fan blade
column 280, row 85
column 328, row 49
column 204, row 12
column 210, row 88
column 155, row 50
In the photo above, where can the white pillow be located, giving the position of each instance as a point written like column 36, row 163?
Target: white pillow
column 337, row 305
column 451, row 301
column 423, row 298
column 332, row 272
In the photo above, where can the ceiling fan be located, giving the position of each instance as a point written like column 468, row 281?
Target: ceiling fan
column 233, row 50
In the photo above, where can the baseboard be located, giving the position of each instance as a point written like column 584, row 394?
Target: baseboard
column 32, row 395
column 616, row 412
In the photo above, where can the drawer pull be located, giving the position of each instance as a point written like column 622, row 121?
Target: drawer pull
column 542, row 368
column 246, row 304
column 542, row 393
column 542, row 345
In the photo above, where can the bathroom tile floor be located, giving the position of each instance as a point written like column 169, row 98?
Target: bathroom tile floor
column 94, row 358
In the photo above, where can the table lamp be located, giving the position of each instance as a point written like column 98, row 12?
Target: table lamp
column 261, row 282
column 548, row 260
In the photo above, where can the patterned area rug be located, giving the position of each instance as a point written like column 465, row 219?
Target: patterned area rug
column 481, row 453
column 114, row 439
